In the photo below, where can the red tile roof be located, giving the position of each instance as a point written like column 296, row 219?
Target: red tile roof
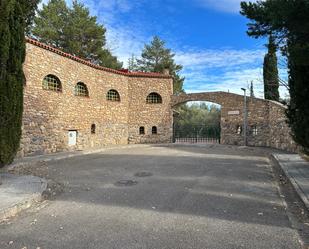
column 75, row 58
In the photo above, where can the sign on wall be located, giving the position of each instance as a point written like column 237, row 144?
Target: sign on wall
column 233, row 113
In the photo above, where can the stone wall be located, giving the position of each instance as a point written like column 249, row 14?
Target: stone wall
column 280, row 133
column 50, row 115
column 146, row 115
column 266, row 121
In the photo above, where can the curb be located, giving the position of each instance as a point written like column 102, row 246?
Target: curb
column 297, row 188
column 25, row 204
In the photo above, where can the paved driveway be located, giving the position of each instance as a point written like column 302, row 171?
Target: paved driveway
column 201, row 197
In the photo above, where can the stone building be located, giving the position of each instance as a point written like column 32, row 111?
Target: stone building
column 266, row 120
column 72, row 104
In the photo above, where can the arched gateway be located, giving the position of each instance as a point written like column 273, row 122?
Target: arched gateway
column 266, row 122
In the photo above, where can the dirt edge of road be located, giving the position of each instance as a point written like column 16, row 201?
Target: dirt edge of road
column 296, row 210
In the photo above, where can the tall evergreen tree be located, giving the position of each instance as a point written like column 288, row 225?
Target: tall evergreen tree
column 270, row 72
column 50, row 23
column 251, row 90
column 288, row 21
column 156, row 58
column 15, row 15
column 74, row 31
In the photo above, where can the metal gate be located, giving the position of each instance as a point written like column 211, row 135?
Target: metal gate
column 196, row 134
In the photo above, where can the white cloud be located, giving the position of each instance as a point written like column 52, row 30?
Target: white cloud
column 123, row 38
column 218, row 58
column 124, row 43
column 229, row 6
column 229, row 81
column 225, row 70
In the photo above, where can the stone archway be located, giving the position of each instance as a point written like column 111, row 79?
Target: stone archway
column 232, row 106
column 266, row 122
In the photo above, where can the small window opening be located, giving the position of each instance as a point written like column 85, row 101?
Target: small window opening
column 238, row 129
column 52, row 83
column 81, row 90
column 254, row 130
column 93, row 129
column 113, row 95
column 142, row 130
column 154, row 130
column 154, row 98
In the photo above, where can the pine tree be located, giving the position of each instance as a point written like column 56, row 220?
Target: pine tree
column 156, row 58
column 270, row 72
column 15, row 15
column 50, row 23
column 288, row 21
column 74, row 31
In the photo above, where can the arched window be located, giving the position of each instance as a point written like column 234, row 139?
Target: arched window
column 112, row 95
column 154, row 130
column 142, row 130
column 154, row 98
column 93, row 129
column 81, row 90
column 52, row 83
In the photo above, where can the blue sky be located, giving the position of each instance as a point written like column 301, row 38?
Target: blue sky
column 208, row 37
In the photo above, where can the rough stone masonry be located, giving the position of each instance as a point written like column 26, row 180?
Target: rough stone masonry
column 266, row 124
column 52, row 115
column 72, row 104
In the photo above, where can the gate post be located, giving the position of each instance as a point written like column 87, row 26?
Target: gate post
column 174, row 136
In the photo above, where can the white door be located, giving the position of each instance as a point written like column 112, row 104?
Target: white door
column 72, row 138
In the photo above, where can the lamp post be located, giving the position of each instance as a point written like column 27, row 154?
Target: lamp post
column 245, row 116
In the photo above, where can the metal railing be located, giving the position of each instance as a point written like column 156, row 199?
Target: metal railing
column 197, row 140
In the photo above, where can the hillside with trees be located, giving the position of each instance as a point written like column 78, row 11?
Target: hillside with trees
column 197, row 120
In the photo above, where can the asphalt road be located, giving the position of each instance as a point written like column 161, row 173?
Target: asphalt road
column 188, row 197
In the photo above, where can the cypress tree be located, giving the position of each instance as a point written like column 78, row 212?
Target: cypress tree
column 251, row 90
column 14, row 17
column 288, row 21
column 270, row 72
column 298, row 108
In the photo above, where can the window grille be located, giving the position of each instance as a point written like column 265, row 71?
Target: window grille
column 93, row 129
column 113, row 95
column 142, row 130
column 154, row 130
column 154, row 98
column 81, row 90
column 52, row 83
